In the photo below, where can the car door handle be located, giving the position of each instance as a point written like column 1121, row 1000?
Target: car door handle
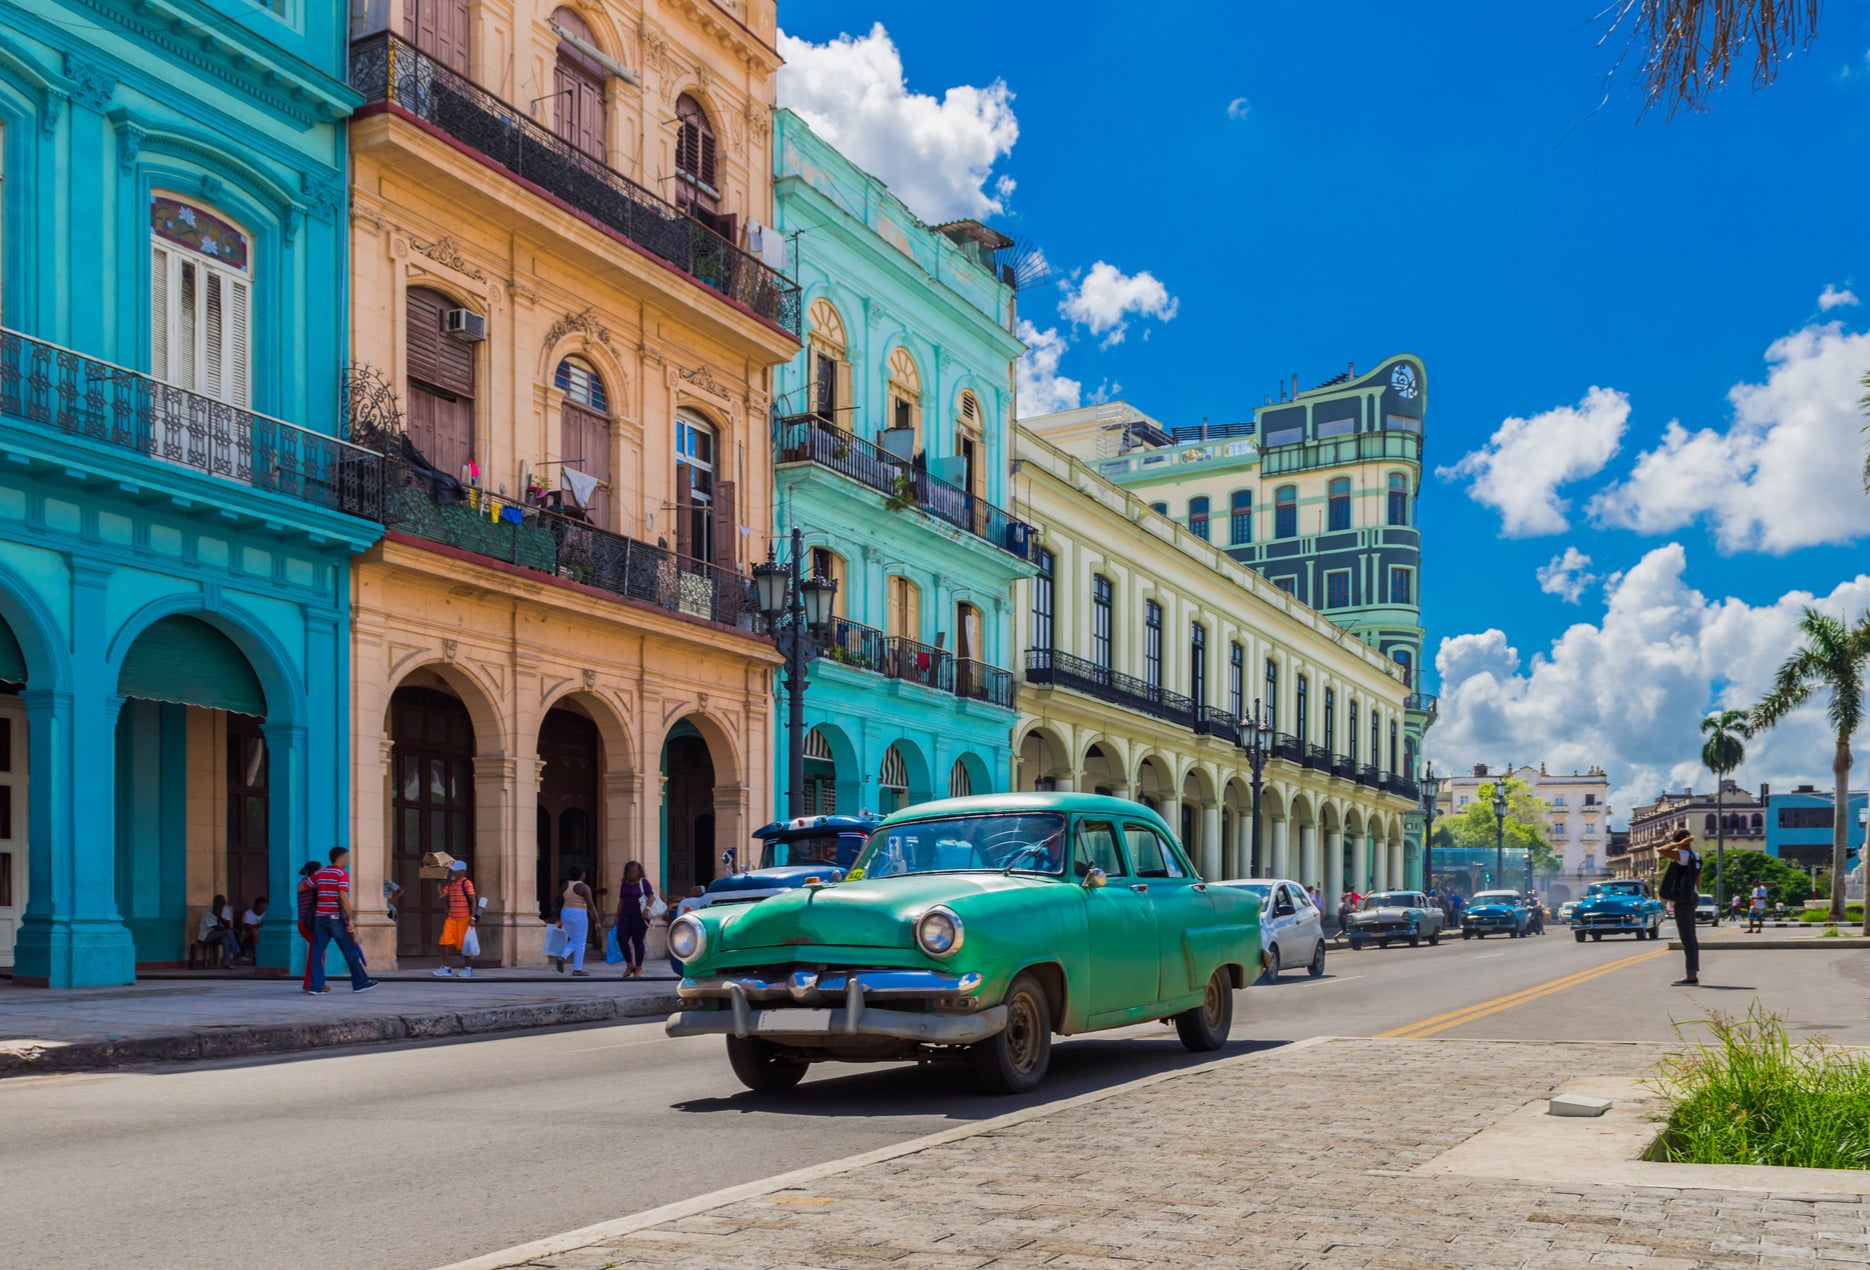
column 1140, row 888
column 1200, row 886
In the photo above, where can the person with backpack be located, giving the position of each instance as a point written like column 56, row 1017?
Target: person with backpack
column 308, row 910
column 1681, row 888
column 458, row 894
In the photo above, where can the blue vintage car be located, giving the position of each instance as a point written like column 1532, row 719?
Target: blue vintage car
column 792, row 852
column 1625, row 907
column 1496, row 913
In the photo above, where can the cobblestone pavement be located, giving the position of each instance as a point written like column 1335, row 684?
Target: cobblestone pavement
column 1292, row 1158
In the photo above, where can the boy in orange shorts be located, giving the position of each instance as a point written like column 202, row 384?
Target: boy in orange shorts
column 459, row 894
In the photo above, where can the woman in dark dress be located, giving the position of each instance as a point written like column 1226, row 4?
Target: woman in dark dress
column 632, row 921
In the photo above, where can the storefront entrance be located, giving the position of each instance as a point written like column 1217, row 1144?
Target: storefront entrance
column 432, row 807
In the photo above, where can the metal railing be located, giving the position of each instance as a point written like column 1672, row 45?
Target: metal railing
column 1278, row 458
column 1344, row 765
column 854, row 644
column 978, row 681
column 1047, row 667
column 1318, row 758
column 1213, row 721
column 1422, row 703
column 1288, row 747
column 915, row 662
column 387, row 69
column 1368, row 775
column 55, row 387
column 551, row 543
column 810, row 439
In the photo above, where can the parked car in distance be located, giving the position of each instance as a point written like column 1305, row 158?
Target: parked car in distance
column 1392, row 915
column 1496, row 913
column 793, row 852
column 1626, row 906
column 1565, row 911
column 972, row 930
column 1292, row 930
column 1705, row 910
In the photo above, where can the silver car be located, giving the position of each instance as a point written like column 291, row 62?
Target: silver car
column 1397, row 915
column 1292, row 931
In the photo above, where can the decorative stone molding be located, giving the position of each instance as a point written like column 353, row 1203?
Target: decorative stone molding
column 451, row 648
column 703, row 379
column 369, row 217
column 323, row 197
column 129, row 140
column 446, row 252
column 91, row 83
column 759, row 119
column 52, row 103
column 655, row 47
column 590, row 680
column 522, row 293
column 211, row 187
column 585, row 322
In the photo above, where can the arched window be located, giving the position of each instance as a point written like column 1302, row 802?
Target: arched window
column 1398, row 499
column 968, row 435
column 439, row 28
column 584, row 440
column 893, row 781
column 578, row 84
column 1406, row 660
column 704, row 516
column 1161, row 509
column 1198, row 517
column 1286, row 512
column 441, row 384
column 960, row 784
column 1758, row 823
column 1240, row 517
column 821, row 776
column 1708, row 824
column 905, row 398
column 200, row 302
column 696, row 161
column 828, row 365
column 827, row 564
column 1339, row 503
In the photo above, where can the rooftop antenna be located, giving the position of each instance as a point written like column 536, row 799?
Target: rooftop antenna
column 1030, row 269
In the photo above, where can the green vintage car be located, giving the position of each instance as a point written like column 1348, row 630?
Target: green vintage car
column 972, row 929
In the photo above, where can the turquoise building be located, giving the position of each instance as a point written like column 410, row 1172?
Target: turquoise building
column 891, row 431
column 177, row 513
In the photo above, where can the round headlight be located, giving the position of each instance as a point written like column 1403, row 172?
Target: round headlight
column 687, row 937
column 939, row 932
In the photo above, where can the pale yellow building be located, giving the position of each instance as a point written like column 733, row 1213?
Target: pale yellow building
column 1147, row 653
column 558, row 269
column 1577, row 821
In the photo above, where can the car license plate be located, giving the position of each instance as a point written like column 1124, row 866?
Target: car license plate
column 792, row 1021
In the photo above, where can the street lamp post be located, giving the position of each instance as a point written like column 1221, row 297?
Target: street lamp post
column 798, row 609
column 1431, row 791
column 1259, row 730
column 1499, row 829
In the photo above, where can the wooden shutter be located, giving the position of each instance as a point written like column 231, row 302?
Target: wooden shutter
column 684, row 509
column 726, row 527
column 706, row 171
column 451, row 29
column 845, row 420
column 159, row 313
column 441, row 384
column 584, row 441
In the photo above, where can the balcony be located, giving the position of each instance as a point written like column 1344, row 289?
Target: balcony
column 1049, row 668
column 1288, row 747
column 1422, row 703
column 1368, row 775
column 1402, row 786
column 1210, row 721
column 389, row 71
column 809, row 439
column 856, row 645
column 978, row 681
column 1345, row 766
column 1278, row 460
column 78, row 396
column 894, row 657
column 560, row 546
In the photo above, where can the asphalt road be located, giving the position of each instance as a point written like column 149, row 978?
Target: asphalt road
column 418, row 1155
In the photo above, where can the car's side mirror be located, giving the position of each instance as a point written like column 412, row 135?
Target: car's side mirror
column 1094, row 879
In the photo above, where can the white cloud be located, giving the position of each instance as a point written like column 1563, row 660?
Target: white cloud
column 1787, row 472
column 1833, row 297
column 1519, row 470
column 1568, row 575
column 1106, row 298
column 937, row 156
column 1041, row 388
column 1239, row 108
column 1629, row 692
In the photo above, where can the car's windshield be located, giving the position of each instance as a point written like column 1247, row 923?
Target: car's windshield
column 817, row 848
column 1497, row 897
column 1617, row 888
column 1031, row 843
column 1391, row 899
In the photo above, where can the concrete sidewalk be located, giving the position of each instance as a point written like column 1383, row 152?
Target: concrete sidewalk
column 1304, row 1156
column 217, row 1017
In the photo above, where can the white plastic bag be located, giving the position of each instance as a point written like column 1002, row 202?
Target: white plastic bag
column 470, row 943
column 555, row 941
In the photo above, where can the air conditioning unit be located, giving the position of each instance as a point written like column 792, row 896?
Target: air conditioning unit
column 465, row 325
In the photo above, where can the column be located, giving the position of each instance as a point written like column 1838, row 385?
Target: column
column 1334, row 868
column 1279, row 847
column 1396, row 863
column 1211, row 840
column 1308, row 854
column 1360, row 863
column 496, row 777
column 622, row 791
column 1379, row 865
column 370, row 860
column 290, row 845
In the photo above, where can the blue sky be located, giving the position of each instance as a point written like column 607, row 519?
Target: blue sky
column 1309, row 184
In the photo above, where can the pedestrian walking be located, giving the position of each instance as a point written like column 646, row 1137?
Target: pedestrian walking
column 1681, row 887
column 334, row 921
column 458, row 894
column 1756, row 910
column 308, row 913
column 575, row 908
column 634, row 899
column 1345, row 905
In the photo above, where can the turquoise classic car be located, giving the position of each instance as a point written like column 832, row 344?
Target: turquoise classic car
column 972, row 929
column 1626, row 907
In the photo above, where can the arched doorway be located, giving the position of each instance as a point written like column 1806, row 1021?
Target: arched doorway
column 893, row 782
column 1100, row 771
column 688, row 810
column 573, row 754
column 821, row 775
column 431, row 805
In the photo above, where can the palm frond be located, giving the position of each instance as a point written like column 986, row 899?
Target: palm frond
column 1691, row 45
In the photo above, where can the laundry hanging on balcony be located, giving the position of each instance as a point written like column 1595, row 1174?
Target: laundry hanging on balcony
column 768, row 244
column 582, row 486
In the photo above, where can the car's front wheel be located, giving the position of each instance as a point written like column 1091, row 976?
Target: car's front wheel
column 1317, row 968
column 1014, row 1060
column 1578, row 935
column 1204, row 1029
column 1597, row 936
column 1467, row 934
column 1274, row 966
column 759, row 1065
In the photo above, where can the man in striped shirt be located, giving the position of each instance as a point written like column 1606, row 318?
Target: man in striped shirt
column 333, row 920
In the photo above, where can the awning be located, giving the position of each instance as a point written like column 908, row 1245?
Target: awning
column 187, row 661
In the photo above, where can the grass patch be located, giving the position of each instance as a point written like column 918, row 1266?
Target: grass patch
column 1852, row 913
column 1751, row 1096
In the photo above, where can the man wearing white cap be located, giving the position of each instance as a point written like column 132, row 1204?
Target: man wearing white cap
column 458, row 893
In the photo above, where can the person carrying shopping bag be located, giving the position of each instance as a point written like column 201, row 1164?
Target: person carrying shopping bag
column 634, row 901
column 458, row 893
column 577, row 905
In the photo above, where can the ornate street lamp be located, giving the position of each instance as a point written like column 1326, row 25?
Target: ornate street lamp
column 798, row 610
column 1499, row 829
column 1431, row 790
column 1255, row 733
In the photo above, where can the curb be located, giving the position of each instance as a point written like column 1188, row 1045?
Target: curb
column 208, row 1044
column 553, row 1245
column 1817, row 942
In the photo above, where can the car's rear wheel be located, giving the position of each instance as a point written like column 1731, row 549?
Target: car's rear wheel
column 1014, row 1060
column 1434, row 939
column 1274, row 966
column 1578, row 935
column 759, row 1065
column 1204, row 1029
column 1317, row 968
column 1467, row 934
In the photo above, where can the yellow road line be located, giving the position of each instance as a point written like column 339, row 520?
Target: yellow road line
column 1469, row 1014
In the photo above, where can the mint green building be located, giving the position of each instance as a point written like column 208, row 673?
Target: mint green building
column 891, row 431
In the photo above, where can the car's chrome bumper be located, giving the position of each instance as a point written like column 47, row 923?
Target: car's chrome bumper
column 805, row 1024
column 809, row 987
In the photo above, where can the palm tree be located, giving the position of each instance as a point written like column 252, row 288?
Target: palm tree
column 1722, row 753
column 1832, row 659
column 1688, row 47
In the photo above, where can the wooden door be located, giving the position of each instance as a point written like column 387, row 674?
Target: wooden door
column 584, row 444
column 568, row 805
column 248, row 809
column 440, row 29
column 431, row 805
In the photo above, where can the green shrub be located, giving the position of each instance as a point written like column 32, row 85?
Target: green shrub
column 1852, row 913
column 1750, row 1096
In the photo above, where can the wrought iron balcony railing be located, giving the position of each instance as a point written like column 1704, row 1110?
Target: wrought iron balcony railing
column 1422, row 703
column 1048, row 667
column 1212, row 721
column 386, row 69
column 1288, row 747
column 857, row 645
column 810, row 439
column 919, row 663
column 1368, row 775
column 1318, row 758
column 1344, row 765
column 978, row 681
column 55, row 388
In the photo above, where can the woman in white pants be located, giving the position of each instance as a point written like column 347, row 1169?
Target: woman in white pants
column 574, row 915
